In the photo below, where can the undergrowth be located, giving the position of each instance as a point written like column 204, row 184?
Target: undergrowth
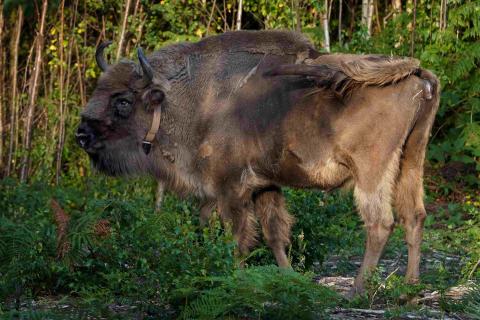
column 119, row 258
column 261, row 292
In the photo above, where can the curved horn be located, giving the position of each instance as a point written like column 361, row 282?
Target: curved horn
column 146, row 67
column 102, row 63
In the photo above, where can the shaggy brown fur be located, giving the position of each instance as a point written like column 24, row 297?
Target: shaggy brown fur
column 379, row 73
column 271, row 210
column 237, row 136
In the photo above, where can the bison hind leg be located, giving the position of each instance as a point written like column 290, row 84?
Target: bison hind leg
column 409, row 188
column 375, row 208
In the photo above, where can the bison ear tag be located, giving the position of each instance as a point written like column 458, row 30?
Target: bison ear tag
column 147, row 146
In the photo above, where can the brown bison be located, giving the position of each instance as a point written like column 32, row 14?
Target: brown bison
column 234, row 117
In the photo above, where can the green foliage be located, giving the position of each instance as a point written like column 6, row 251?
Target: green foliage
column 262, row 292
column 472, row 302
column 391, row 291
column 144, row 256
column 324, row 222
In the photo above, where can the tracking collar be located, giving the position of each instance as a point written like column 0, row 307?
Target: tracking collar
column 147, row 141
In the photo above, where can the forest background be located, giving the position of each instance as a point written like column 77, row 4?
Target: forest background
column 69, row 233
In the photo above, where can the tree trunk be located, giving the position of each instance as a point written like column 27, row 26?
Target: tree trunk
column 123, row 30
column 211, row 17
column 340, row 5
column 443, row 15
column 136, row 9
column 298, row 19
column 397, row 7
column 325, row 28
column 14, row 45
column 33, row 92
column 2, row 88
column 364, row 12
column 352, row 6
column 61, row 129
column 367, row 13
column 377, row 15
column 412, row 43
column 239, row 14
column 81, row 83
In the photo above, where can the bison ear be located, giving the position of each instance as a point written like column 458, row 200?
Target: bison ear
column 156, row 96
column 152, row 98
column 149, row 74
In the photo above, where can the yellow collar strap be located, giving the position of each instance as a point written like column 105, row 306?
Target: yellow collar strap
column 147, row 141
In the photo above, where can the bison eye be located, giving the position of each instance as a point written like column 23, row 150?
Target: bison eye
column 123, row 106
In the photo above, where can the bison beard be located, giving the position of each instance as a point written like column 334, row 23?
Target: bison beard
column 121, row 163
column 232, row 136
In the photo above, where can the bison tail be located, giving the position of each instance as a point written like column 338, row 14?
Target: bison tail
column 380, row 72
column 431, row 90
column 346, row 76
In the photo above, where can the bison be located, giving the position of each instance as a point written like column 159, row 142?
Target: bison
column 234, row 117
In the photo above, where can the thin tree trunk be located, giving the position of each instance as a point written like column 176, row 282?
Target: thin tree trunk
column 443, row 15
column 370, row 16
column 298, row 20
column 136, row 9
column 14, row 45
column 234, row 16
column 340, row 5
column 141, row 25
column 431, row 22
column 81, row 85
column 239, row 14
column 326, row 32
column 367, row 13
column 397, row 7
column 61, row 129
column 226, row 27
column 364, row 12
column 33, row 92
column 2, row 88
column 211, row 16
column 377, row 15
column 123, row 30
column 412, row 43
column 352, row 7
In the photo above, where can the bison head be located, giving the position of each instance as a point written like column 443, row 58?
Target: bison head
column 118, row 116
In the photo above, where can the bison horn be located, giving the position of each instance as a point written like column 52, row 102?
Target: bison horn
column 102, row 63
column 146, row 67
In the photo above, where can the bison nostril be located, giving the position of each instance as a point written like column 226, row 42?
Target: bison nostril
column 86, row 138
column 83, row 139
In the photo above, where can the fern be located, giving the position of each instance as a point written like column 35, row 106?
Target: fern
column 261, row 292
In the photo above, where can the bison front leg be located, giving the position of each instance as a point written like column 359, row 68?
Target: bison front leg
column 276, row 223
column 206, row 209
column 239, row 214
